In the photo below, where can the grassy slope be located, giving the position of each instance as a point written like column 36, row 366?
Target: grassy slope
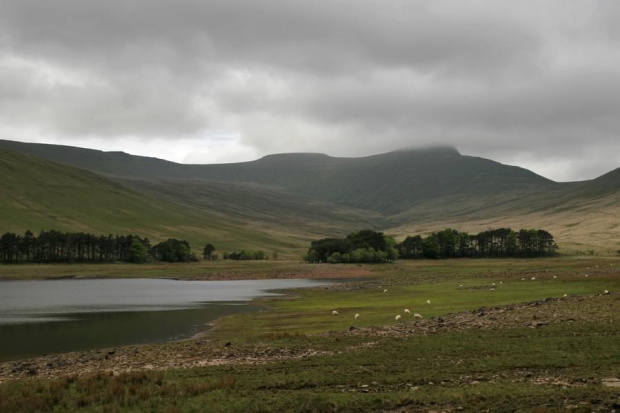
column 582, row 217
column 271, row 209
column 410, row 192
column 113, row 163
column 41, row 195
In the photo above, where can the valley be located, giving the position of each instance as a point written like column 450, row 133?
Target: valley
column 281, row 202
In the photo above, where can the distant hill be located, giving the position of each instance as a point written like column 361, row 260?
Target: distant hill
column 401, row 192
column 112, row 163
column 36, row 194
column 388, row 183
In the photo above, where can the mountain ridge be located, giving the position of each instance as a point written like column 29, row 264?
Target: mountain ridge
column 387, row 183
column 397, row 191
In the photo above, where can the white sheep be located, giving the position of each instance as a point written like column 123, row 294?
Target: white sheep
column 357, row 316
column 397, row 317
column 606, row 292
column 555, row 276
column 461, row 286
column 565, row 295
column 522, row 279
column 334, row 312
column 491, row 289
column 385, row 291
column 407, row 311
column 586, row 275
column 500, row 283
column 428, row 301
column 493, row 284
column 418, row 316
column 533, row 278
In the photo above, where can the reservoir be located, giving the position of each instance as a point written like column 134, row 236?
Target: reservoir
column 55, row 316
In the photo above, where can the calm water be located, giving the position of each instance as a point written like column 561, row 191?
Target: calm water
column 53, row 316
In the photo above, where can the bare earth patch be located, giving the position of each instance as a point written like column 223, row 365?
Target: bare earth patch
column 323, row 271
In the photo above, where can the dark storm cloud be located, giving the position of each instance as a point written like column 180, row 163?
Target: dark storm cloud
column 528, row 82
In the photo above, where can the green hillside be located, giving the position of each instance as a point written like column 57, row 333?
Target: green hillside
column 389, row 183
column 284, row 200
column 42, row 195
column 113, row 163
column 266, row 207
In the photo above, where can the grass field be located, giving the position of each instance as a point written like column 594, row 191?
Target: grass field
column 214, row 270
column 475, row 350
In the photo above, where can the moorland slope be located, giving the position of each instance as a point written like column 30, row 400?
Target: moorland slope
column 402, row 192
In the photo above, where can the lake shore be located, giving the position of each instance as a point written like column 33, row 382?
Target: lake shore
column 206, row 350
column 203, row 270
column 60, row 316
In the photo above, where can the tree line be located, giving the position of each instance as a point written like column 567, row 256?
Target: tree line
column 244, row 255
column 362, row 246
column 368, row 246
column 65, row 247
column 502, row 242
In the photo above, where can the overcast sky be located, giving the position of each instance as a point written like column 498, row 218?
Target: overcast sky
column 529, row 83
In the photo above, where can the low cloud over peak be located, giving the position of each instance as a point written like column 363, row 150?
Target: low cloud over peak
column 528, row 83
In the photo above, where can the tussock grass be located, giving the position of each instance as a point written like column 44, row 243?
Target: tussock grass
column 106, row 392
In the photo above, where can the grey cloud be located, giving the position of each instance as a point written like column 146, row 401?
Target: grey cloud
column 272, row 32
column 345, row 77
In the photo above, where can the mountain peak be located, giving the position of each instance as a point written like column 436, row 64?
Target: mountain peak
column 296, row 155
column 431, row 150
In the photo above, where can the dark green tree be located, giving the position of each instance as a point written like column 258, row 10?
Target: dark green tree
column 411, row 247
column 431, row 247
column 172, row 250
column 367, row 238
column 139, row 251
column 207, row 252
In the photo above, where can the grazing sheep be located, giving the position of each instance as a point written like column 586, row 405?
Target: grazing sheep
column 522, row 279
column 500, row 283
column 397, row 317
column 428, row 301
column 407, row 311
column 555, row 276
column 461, row 286
column 385, row 291
column 586, row 275
column 334, row 312
column 493, row 284
column 418, row 316
column 357, row 316
column 491, row 289
column 533, row 278
column 565, row 295
column 605, row 292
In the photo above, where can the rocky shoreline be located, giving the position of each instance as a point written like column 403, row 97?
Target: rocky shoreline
column 206, row 351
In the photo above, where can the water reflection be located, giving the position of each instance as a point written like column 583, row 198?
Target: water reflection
column 46, row 317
